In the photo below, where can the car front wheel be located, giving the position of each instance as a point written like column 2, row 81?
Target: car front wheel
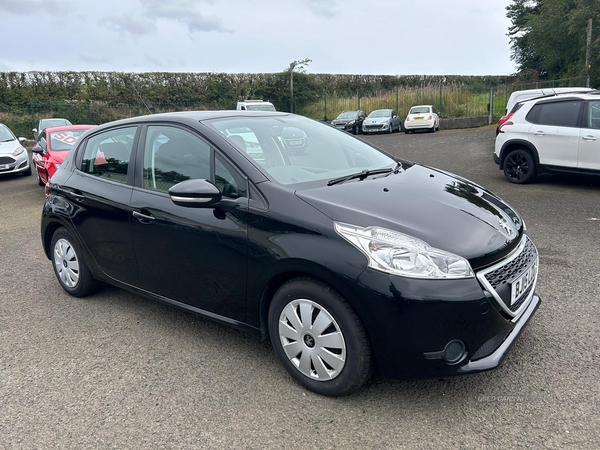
column 70, row 268
column 39, row 179
column 319, row 338
column 519, row 167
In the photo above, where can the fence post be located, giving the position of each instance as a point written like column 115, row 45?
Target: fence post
column 89, row 112
column 440, row 108
column 358, row 97
column 33, row 125
column 491, row 105
column 325, row 114
column 397, row 100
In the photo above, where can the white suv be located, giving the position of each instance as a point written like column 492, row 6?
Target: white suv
column 557, row 134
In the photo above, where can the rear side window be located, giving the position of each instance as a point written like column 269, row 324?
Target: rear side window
column 560, row 114
column 107, row 154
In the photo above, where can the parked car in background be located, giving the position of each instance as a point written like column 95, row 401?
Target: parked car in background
column 529, row 94
column 382, row 121
column 422, row 117
column 557, row 134
column 45, row 123
column 351, row 121
column 255, row 105
column 303, row 249
column 51, row 148
column 13, row 156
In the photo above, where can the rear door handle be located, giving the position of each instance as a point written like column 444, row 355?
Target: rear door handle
column 539, row 133
column 589, row 137
column 144, row 218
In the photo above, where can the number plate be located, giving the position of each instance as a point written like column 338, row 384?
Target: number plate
column 518, row 287
column 419, row 118
column 3, row 166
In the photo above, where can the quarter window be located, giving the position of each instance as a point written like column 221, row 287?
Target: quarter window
column 107, row 154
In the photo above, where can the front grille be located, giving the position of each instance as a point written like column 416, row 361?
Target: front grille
column 499, row 278
column 490, row 346
column 6, row 160
column 373, row 127
column 514, row 269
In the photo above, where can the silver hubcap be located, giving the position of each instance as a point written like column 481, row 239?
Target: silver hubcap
column 312, row 340
column 65, row 261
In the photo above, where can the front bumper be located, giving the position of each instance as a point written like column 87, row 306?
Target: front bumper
column 380, row 128
column 14, row 164
column 411, row 323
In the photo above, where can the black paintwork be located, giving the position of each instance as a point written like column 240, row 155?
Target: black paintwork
column 227, row 263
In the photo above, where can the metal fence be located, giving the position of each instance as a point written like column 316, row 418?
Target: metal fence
column 453, row 101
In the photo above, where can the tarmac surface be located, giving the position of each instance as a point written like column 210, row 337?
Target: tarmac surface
column 116, row 370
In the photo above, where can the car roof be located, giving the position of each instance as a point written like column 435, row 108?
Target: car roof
column 68, row 128
column 193, row 116
column 418, row 106
column 565, row 96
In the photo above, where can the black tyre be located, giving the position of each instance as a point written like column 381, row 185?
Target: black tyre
column 432, row 129
column 391, row 128
column 69, row 265
column 318, row 338
column 406, row 131
column 519, row 167
column 27, row 173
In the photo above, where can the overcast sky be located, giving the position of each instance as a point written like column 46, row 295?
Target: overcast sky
column 394, row 37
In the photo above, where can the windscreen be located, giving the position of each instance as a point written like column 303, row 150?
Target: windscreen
column 6, row 135
column 381, row 113
column 294, row 150
column 347, row 115
column 62, row 141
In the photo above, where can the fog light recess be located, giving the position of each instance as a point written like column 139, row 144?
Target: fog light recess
column 454, row 352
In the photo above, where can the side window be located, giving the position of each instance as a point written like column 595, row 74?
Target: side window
column 561, row 114
column 107, row 154
column 593, row 118
column 173, row 155
column 228, row 180
column 43, row 140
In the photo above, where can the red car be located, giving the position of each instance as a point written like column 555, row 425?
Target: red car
column 51, row 148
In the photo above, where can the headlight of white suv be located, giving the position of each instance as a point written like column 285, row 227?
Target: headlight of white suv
column 400, row 254
column 18, row 151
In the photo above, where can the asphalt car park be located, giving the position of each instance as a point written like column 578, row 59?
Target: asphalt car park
column 118, row 370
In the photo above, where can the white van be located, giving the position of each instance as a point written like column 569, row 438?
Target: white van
column 519, row 96
column 255, row 105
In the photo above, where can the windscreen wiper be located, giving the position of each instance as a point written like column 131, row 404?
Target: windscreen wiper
column 360, row 175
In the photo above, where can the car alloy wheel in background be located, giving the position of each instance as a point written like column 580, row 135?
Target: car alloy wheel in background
column 519, row 167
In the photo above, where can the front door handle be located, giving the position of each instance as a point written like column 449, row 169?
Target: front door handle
column 539, row 133
column 589, row 137
column 144, row 218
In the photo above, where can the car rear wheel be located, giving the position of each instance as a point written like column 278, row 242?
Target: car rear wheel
column 318, row 338
column 70, row 267
column 519, row 167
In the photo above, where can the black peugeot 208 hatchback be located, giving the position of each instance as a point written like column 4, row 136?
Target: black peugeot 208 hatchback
column 349, row 259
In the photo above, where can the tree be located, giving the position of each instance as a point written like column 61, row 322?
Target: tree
column 549, row 37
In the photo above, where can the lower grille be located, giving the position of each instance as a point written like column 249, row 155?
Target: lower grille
column 6, row 160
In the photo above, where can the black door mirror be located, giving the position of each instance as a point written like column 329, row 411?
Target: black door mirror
column 37, row 149
column 195, row 194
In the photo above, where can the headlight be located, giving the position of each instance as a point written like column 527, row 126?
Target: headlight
column 18, row 151
column 350, row 123
column 400, row 254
